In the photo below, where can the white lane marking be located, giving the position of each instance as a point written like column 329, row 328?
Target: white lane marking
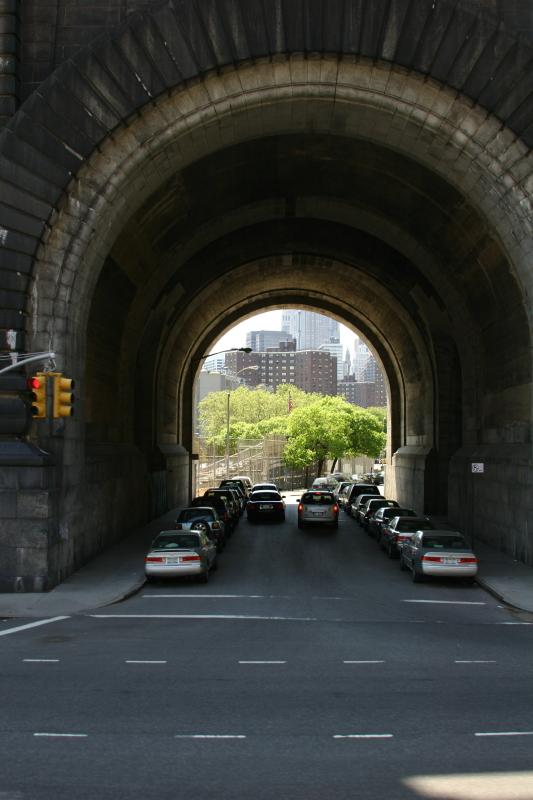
column 63, row 735
column 201, row 616
column 364, row 736
column 363, row 662
column 505, row 733
column 41, row 660
column 329, row 598
column 262, row 662
column 220, row 596
column 512, row 623
column 131, row 661
column 479, row 661
column 31, row 625
column 209, row 736
column 448, row 602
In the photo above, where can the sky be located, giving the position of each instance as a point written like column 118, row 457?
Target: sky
column 267, row 321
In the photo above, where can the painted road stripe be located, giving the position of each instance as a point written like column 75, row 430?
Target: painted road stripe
column 131, row 661
column 506, row 733
column 363, row 662
column 262, row 662
column 41, row 660
column 201, row 616
column 31, row 625
column 63, row 735
column 476, row 662
column 209, row 736
column 221, row 596
column 448, row 602
column 364, row 736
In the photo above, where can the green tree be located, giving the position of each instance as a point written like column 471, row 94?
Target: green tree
column 330, row 428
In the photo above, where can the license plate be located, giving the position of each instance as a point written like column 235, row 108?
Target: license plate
column 173, row 560
column 318, row 513
column 451, row 560
column 266, row 508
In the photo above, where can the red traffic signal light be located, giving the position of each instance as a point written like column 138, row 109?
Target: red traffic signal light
column 37, row 386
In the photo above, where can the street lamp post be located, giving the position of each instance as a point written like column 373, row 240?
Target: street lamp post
column 254, row 366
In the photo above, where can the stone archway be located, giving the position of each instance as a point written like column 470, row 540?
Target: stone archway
column 460, row 278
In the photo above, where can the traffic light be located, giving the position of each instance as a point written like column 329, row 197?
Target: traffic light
column 63, row 405
column 37, row 386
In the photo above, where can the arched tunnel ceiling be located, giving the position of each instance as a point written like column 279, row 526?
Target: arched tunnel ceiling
column 282, row 194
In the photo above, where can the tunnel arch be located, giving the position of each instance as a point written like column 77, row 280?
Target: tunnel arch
column 125, row 222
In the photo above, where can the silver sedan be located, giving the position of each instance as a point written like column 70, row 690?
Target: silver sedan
column 174, row 554
column 438, row 553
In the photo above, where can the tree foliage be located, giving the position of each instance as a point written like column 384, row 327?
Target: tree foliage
column 317, row 427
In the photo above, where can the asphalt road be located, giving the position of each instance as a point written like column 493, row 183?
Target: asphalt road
column 308, row 668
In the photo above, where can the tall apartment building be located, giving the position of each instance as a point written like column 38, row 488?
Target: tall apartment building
column 310, row 370
column 309, row 329
column 334, row 347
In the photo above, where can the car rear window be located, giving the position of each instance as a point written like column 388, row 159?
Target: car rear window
column 318, row 498
column 270, row 496
column 171, row 541
column 412, row 525
column 190, row 514
column 444, row 542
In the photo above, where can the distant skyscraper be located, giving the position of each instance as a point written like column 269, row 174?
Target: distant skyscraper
column 347, row 364
column 215, row 363
column 335, row 348
column 261, row 341
column 309, row 329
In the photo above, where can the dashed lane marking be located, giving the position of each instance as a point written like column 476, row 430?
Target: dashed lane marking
column 363, row 662
column 448, row 602
column 41, row 660
column 262, row 662
column 505, row 733
column 363, row 736
column 201, row 616
column 210, row 736
column 133, row 661
column 63, row 735
column 476, row 661
column 31, row 625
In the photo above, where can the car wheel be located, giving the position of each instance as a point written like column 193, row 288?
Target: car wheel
column 416, row 577
column 204, row 577
column 403, row 565
column 214, row 565
column 300, row 523
column 390, row 552
column 335, row 525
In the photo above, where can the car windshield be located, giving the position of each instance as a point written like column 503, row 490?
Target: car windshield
column 219, row 495
column 173, row 541
column 444, row 542
column 262, row 496
column 412, row 525
column 190, row 514
column 318, row 498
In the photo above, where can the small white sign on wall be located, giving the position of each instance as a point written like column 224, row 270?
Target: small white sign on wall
column 478, row 468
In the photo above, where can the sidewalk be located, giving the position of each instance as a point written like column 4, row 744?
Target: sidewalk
column 119, row 572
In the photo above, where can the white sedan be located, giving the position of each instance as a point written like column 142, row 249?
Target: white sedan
column 174, row 554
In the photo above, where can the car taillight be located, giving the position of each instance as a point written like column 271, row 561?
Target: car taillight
column 153, row 559
column 178, row 526
column 401, row 536
column 335, row 509
column 216, row 525
column 439, row 559
column 190, row 558
column 278, row 505
column 468, row 560
column 300, row 507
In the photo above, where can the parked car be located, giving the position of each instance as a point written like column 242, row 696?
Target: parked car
column 231, row 503
column 318, row 508
column 247, row 481
column 258, row 487
column 220, row 506
column 366, row 512
column 379, row 478
column 342, row 495
column 174, row 554
column 326, row 484
column 235, row 482
column 399, row 530
column 360, row 503
column 357, row 490
column 236, row 488
column 382, row 517
column 204, row 519
column 264, row 505
column 438, row 553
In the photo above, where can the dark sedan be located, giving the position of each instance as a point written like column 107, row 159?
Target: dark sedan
column 265, row 505
column 382, row 518
column 399, row 530
column 356, row 491
column 366, row 512
column 204, row 519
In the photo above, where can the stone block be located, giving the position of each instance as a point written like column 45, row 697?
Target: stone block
column 33, row 505
column 8, row 506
